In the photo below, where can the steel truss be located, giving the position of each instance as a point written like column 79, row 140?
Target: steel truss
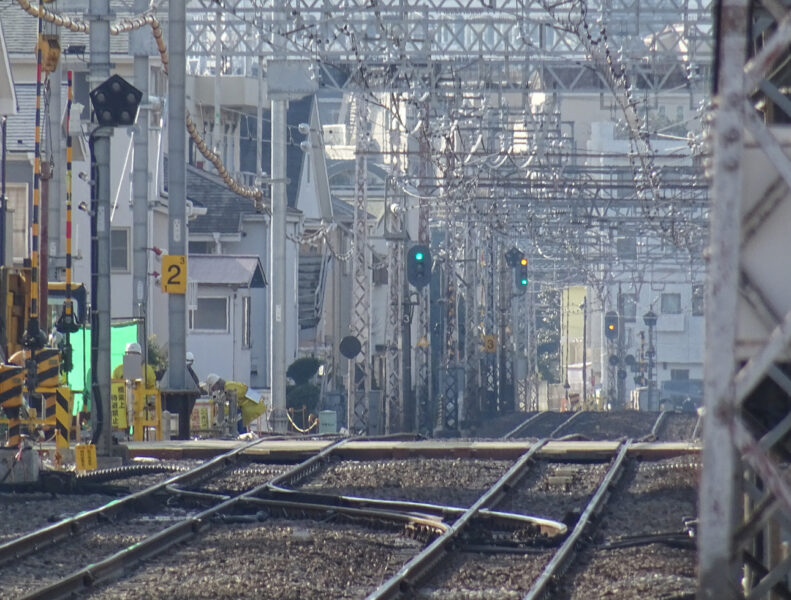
column 513, row 44
column 394, row 403
column 745, row 500
column 425, row 416
column 360, row 325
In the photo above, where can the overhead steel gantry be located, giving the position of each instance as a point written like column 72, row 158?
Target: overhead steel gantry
column 500, row 45
column 443, row 58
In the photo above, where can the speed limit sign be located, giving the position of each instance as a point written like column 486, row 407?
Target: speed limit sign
column 489, row 343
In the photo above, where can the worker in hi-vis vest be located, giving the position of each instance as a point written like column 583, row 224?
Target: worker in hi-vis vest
column 248, row 408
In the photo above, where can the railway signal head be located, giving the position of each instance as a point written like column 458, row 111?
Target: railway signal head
column 611, row 325
column 418, row 265
column 115, row 102
column 513, row 256
column 520, row 275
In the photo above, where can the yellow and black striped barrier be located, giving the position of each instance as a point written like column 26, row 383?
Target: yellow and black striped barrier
column 11, row 382
column 47, row 380
column 47, row 368
column 62, row 417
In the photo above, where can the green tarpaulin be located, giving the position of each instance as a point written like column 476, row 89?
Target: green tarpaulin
column 120, row 336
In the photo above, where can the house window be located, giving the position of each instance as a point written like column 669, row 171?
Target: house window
column 211, row 315
column 626, row 247
column 17, row 206
column 697, row 300
column 246, row 326
column 671, row 304
column 119, row 250
column 201, row 247
column 679, row 374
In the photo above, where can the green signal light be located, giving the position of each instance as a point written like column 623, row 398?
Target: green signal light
column 418, row 256
column 524, row 281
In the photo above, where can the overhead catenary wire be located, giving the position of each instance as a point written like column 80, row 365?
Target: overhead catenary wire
column 137, row 22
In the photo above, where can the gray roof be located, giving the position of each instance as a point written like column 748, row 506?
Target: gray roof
column 21, row 28
column 7, row 92
column 342, row 210
column 219, row 269
column 225, row 209
column 21, row 127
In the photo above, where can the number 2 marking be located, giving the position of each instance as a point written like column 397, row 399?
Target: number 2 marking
column 175, row 271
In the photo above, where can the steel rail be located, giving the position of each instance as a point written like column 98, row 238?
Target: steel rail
column 547, row 527
column 156, row 544
column 416, row 569
column 672, row 538
column 660, row 421
column 117, row 563
column 555, row 567
column 571, row 419
column 519, row 429
column 525, row 424
column 412, row 520
column 36, row 540
column 306, row 468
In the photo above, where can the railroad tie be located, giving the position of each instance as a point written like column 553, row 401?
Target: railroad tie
column 11, row 383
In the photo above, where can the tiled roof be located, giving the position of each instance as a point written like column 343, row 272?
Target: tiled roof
column 342, row 210
column 223, row 269
column 7, row 93
column 224, row 208
column 21, row 128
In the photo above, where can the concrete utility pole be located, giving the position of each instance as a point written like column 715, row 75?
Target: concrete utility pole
column 99, row 68
column 139, row 48
column 277, row 265
column 177, row 187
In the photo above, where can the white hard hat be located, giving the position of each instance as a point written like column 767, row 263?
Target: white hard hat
column 189, row 358
column 133, row 348
column 211, row 379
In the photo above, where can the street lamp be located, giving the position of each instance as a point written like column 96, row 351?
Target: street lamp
column 649, row 319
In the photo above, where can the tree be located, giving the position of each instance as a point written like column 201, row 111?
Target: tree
column 157, row 356
column 303, row 392
column 303, row 369
column 548, row 335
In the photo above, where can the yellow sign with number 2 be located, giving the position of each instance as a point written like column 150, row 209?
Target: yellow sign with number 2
column 174, row 274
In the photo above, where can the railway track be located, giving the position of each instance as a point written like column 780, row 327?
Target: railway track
column 610, row 425
column 422, row 527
